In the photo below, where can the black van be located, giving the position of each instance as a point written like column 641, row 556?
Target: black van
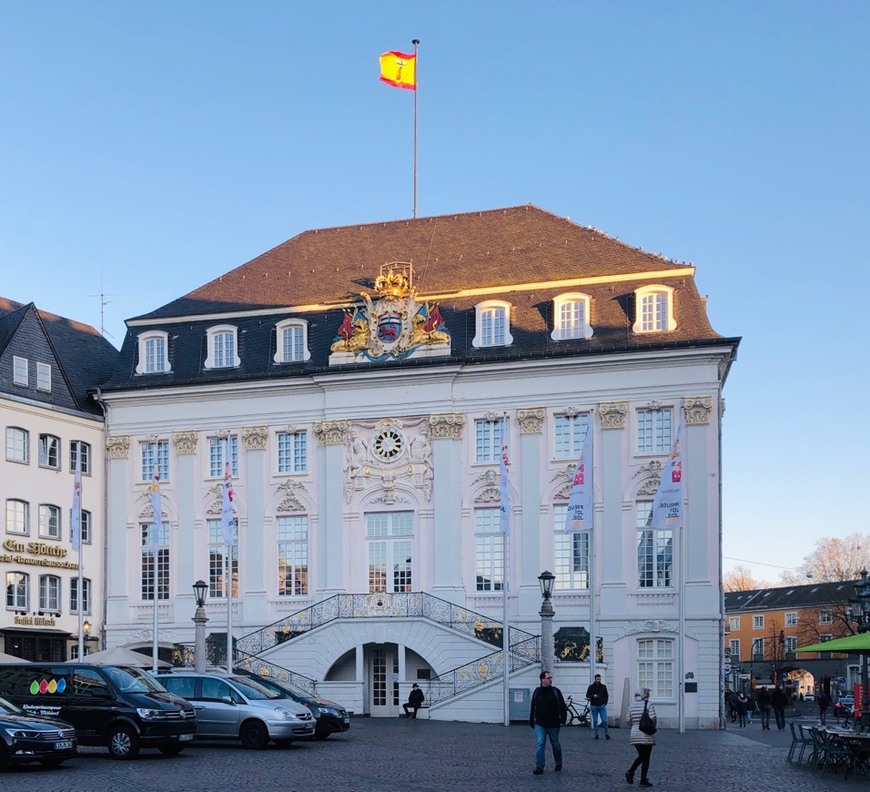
column 121, row 707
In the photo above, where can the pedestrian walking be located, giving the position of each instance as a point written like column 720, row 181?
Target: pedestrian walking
column 598, row 698
column 764, row 702
column 824, row 701
column 778, row 700
column 642, row 741
column 740, row 704
column 546, row 716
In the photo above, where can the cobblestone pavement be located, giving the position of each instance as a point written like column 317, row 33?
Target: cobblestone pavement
column 424, row 756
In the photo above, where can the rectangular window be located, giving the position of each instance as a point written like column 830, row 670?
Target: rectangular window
column 216, row 456
column 571, row 563
column 758, row 649
column 86, row 526
column 224, row 350
column 292, row 452
column 735, row 649
column 19, row 371
column 49, row 593
column 734, row 622
column 655, row 551
column 217, row 561
column 489, row 437
column 492, row 326
column 654, row 431
column 49, row 451
column 43, row 377
column 293, row 339
column 570, row 434
column 791, row 619
column 17, row 444
column 17, row 517
column 155, row 355
column 155, row 453
column 654, row 312
column 791, row 643
column 488, row 550
column 389, row 540
column 572, row 318
column 148, row 562
column 655, row 666
column 758, row 622
column 74, row 595
column 76, row 448
column 826, row 617
column 49, row 521
column 292, row 556
column 17, row 591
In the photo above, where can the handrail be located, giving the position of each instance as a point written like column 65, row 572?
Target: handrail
column 257, row 666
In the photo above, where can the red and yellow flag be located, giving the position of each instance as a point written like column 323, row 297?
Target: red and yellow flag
column 399, row 70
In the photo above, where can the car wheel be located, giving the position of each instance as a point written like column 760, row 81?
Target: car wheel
column 171, row 749
column 283, row 743
column 321, row 735
column 254, row 734
column 123, row 743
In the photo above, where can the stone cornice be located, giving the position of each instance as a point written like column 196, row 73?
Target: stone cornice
column 118, row 446
column 255, row 437
column 331, row 432
column 185, row 442
column 446, row 426
column 531, row 420
column 613, row 414
column 697, row 409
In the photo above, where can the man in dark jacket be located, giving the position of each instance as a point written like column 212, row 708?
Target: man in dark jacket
column 779, row 700
column 764, row 702
column 415, row 701
column 597, row 695
column 546, row 716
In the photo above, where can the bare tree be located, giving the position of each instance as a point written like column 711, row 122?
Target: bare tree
column 741, row 579
column 834, row 560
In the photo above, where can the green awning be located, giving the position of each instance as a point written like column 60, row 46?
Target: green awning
column 851, row 643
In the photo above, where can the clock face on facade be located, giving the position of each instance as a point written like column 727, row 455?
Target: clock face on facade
column 388, row 444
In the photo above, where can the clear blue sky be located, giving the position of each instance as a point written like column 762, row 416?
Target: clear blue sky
column 148, row 147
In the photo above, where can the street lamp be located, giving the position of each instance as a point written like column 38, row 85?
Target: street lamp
column 780, row 657
column 199, row 619
column 546, row 580
column 860, row 613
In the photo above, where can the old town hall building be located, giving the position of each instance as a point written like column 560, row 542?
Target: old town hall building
column 362, row 383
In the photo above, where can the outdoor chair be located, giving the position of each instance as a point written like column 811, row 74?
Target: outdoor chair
column 799, row 744
column 817, row 753
column 834, row 754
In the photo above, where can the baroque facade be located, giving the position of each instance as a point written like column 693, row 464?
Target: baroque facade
column 362, row 383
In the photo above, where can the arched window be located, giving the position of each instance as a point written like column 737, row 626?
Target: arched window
column 153, row 353
column 654, row 309
column 571, row 318
column 222, row 347
column 292, row 341
column 492, row 324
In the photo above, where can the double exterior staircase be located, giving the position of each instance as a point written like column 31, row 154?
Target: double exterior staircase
column 523, row 648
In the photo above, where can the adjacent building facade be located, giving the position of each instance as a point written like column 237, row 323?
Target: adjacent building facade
column 362, row 384
column 47, row 365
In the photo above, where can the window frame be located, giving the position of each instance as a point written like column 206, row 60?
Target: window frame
column 756, row 653
column 659, row 574
column 43, row 377
column 487, row 449
column 147, row 560
column 662, row 320
column 489, row 560
column 791, row 619
column 568, row 331
column 148, row 357
column 25, row 521
column 75, row 446
column 281, row 350
column 292, row 460
column 656, row 667
column 216, row 458
column 50, row 510
column 217, row 560
column 153, row 452
column 570, row 554
column 20, row 378
column 227, row 358
column 570, row 447
column 732, row 643
column 292, row 555
column 485, row 336
column 826, row 616
column 651, row 441
column 49, row 447
column 17, row 436
column 733, row 622
column 23, row 585
column 50, row 600
column 758, row 621
column 73, row 595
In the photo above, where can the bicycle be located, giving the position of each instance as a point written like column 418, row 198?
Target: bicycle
column 581, row 718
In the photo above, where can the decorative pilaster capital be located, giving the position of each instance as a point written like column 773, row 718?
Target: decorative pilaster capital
column 118, row 446
column 331, row 432
column 185, row 442
column 697, row 409
column 255, row 437
column 446, row 426
column 531, row 420
column 613, row 414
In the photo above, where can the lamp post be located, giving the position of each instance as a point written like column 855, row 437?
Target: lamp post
column 780, row 657
column 546, row 580
column 86, row 632
column 860, row 613
column 199, row 619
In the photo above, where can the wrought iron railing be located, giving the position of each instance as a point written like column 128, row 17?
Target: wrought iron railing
column 260, row 667
column 415, row 604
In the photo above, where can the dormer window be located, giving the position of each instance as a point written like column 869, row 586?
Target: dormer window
column 292, row 342
column 153, row 353
column 655, row 310
column 222, row 348
column 571, row 317
column 492, row 324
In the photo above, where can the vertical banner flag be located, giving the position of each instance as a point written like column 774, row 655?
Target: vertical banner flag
column 579, row 516
column 667, row 508
column 227, row 510
column 157, row 519
column 76, row 522
column 399, row 70
column 504, row 484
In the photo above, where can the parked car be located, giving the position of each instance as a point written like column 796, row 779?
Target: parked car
column 29, row 738
column 331, row 718
column 121, row 707
column 809, row 697
column 236, row 707
column 844, row 706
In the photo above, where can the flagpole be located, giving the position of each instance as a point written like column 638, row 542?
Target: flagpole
column 416, row 43
column 77, row 540
column 156, row 527
column 227, row 518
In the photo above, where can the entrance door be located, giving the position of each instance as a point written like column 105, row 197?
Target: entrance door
column 383, row 663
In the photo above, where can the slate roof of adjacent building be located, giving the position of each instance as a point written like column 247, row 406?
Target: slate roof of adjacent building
column 80, row 357
column 784, row 597
column 516, row 254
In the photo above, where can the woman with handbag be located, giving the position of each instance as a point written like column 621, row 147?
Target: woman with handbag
column 642, row 719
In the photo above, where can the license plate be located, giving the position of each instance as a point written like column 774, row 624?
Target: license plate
column 63, row 745
column 185, row 737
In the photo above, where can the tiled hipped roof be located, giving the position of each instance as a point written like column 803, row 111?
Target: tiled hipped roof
column 522, row 255
column 807, row 596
